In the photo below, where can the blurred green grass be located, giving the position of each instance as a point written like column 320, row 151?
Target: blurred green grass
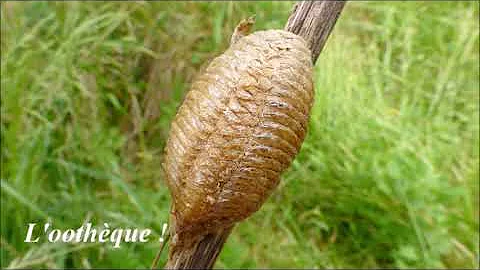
column 387, row 177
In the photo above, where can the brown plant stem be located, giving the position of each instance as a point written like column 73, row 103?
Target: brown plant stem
column 200, row 253
column 314, row 21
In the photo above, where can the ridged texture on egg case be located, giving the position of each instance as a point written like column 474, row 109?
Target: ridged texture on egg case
column 239, row 127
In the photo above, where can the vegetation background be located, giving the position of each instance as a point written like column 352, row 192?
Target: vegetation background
column 387, row 177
